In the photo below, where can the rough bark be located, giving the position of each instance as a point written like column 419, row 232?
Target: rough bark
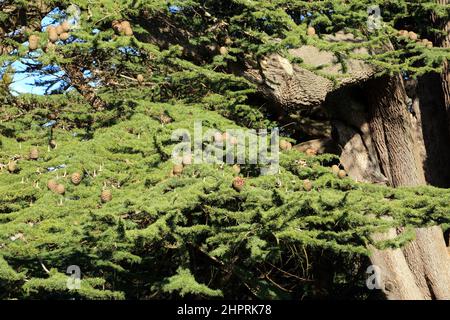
column 390, row 125
column 428, row 260
column 429, row 109
column 392, row 131
column 444, row 42
column 351, row 132
column 294, row 87
column 398, row 282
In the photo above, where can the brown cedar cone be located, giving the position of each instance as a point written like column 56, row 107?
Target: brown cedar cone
column 76, row 178
column 34, row 153
column 335, row 169
column 12, row 166
column 60, row 189
column 52, row 34
column 238, row 183
column 126, row 28
column 106, row 196
column 223, row 51
column 403, row 33
column 33, row 42
column 311, row 152
column 140, row 78
column 285, row 145
column 165, row 119
column 311, row 31
column 307, row 185
column 52, row 144
column 65, row 26
column 52, row 184
column 342, row 174
column 412, row 35
column 177, row 169
column 125, row 24
column 233, row 141
column 186, row 160
column 59, row 29
column 218, row 137
column 117, row 26
column 64, row 36
column 427, row 43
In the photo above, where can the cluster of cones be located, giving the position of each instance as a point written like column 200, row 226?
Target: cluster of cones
column 221, row 49
column 33, row 155
column 413, row 36
column 52, row 184
column 76, row 179
column 54, row 33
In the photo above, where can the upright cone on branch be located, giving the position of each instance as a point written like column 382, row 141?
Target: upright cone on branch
column 76, row 178
column 59, row 29
column 412, row 35
column 65, row 26
column 311, row 152
column 238, row 183
column 403, row 33
column 311, row 31
column 52, row 34
column 52, row 184
column 285, row 145
column 223, row 51
column 307, row 185
column 342, row 174
column 126, row 28
column 12, row 167
column 60, row 189
column 236, row 169
column 186, row 160
column 64, row 36
column 106, row 196
column 33, row 42
column 177, row 169
column 52, row 143
column 34, row 153
column 335, row 169
column 117, row 26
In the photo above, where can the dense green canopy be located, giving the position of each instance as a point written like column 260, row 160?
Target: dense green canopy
column 163, row 235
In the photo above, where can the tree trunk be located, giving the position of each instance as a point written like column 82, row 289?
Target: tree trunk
column 444, row 42
column 391, row 130
column 421, row 270
column 429, row 109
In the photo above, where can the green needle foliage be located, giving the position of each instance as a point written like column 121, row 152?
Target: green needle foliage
column 193, row 235
column 162, row 235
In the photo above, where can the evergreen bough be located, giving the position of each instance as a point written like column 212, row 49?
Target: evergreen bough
column 190, row 235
